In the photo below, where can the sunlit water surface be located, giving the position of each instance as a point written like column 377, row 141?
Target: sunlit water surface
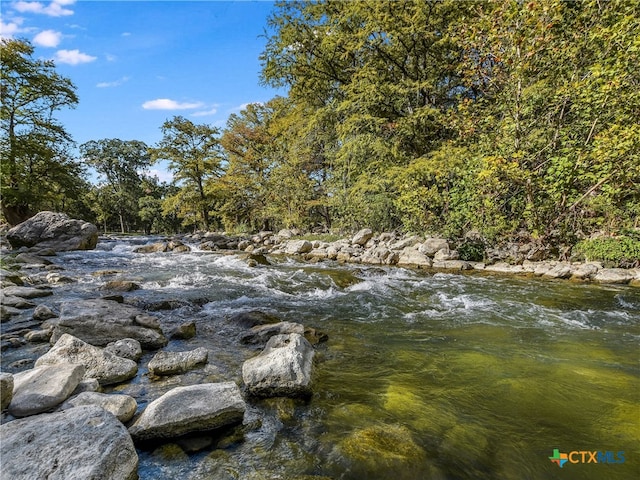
column 425, row 375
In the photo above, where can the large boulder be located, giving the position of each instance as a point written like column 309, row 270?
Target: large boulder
column 105, row 367
column 55, row 231
column 190, row 409
column 411, row 257
column 171, row 363
column 83, row 443
column 100, row 322
column 362, row 237
column 123, row 407
column 298, row 247
column 43, row 388
column 282, row 369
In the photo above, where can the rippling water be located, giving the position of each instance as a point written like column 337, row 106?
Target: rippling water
column 439, row 376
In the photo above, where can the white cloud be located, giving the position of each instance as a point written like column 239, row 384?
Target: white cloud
column 48, row 38
column 8, row 30
column 168, row 104
column 73, row 57
column 126, row 34
column 205, row 113
column 54, row 9
column 115, row 83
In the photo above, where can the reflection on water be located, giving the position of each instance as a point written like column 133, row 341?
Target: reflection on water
column 424, row 376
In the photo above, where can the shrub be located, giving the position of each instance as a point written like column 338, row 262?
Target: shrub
column 622, row 251
column 471, row 250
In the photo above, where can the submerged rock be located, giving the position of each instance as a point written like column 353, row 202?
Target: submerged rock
column 100, row 322
column 82, row 443
column 26, row 292
column 190, row 409
column 43, row 388
column 55, row 231
column 171, row 363
column 105, row 367
column 125, row 348
column 260, row 334
column 252, row 318
column 283, row 368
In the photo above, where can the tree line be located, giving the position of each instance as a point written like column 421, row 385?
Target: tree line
column 418, row 116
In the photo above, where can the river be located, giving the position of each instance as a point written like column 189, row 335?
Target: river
column 425, row 375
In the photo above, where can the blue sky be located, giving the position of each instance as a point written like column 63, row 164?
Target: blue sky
column 138, row 63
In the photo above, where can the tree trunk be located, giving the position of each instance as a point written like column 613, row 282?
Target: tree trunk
column 15, row 214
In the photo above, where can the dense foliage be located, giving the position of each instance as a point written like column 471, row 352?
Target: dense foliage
column 500, row 117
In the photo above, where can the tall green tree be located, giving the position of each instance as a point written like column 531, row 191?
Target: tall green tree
column 194, row 156
column 37, row 167
column 120, row 164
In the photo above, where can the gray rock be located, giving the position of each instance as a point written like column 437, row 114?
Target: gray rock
column 100, row 322
column 54, row 230
column 125, row 348
column 120, row 286
column 362, row 237
column 6, row 390
column 445, row 254
column 123, row 407
column 7, row 312
column 614, row 275
column 561, row 270
column 172, row 363
column 585, row 271
column 411, row 257
column 184, row 331
column 87, row 385
column 260, row 334
column 283, row 368
column 43, row 388
column 26, row 292
column 42, row 313
column 16, row 302
column 99, row 364
column 433, row 245
column 10, row 276
column 83, row 443
column 297, row 247
column 38, row 336
column 252, row 318
column 55, row 278
column 31, row 259
column 190, row 409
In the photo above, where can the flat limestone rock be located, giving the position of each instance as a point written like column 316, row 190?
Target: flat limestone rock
column 43, row 388
column 189, row 409
column 6, row 389
column 123, row 407
column 82, row 443
column 283, row 368
column 26, row 292
column 171, row 363
column 105, row 367
column 100, row 322
column 260, row 334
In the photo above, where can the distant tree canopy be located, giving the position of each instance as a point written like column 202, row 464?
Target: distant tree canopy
column 38, row 171
column 419, row 116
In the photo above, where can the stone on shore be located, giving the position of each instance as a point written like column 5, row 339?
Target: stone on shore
column 362, row 237
column 82, row 443
column 55, row 231
column 123, row 407
column 172, row 363
column 297, row 247
column 411, row 257
column 614, row 275
column 16, row 302
column 100, row 322
column 42, row 313
column 43, row 388
column 190, row 409
column 283, row 368
column 6, row 390
column 105, row 367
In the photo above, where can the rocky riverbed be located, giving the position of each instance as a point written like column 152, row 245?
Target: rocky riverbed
column 129, row 329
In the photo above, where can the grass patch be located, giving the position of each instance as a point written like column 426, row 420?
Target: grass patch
column 622, row 251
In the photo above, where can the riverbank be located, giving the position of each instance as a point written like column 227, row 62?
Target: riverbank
column 427, row 253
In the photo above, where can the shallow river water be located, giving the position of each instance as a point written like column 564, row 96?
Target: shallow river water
column 425, row 375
